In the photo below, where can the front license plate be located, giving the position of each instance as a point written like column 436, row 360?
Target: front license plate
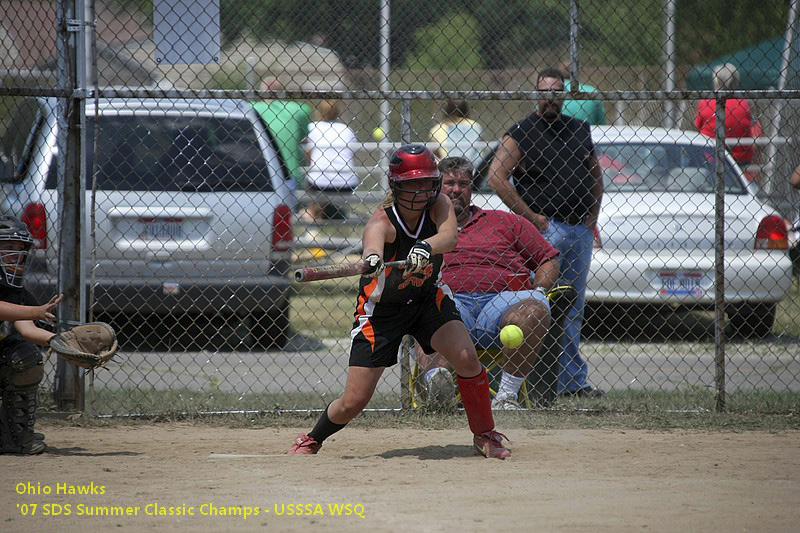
column 680, row 283
column 161, row 229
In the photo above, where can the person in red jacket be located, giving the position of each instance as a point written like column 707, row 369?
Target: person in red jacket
column 738, row 118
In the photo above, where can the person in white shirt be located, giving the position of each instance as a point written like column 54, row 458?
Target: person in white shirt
column 331, row 159
column 457, row 135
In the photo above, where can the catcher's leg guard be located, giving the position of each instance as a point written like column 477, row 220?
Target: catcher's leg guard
column 17, row 417
column 19, row 380
column 477, row 404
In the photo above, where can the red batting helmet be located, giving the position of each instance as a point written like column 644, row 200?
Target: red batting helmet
column 414, row 178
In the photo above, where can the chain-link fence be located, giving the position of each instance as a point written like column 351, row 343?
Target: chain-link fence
column 181, row 158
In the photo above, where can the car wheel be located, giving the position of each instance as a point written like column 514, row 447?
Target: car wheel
column 752, row 320
column 271, row 329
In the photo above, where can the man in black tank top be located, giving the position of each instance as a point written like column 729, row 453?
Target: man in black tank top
column 418, row 224
column 558, row 185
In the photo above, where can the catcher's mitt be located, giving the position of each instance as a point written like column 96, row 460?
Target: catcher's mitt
column 89, row 345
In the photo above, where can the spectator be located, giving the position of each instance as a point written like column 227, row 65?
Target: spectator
column 415, row 221
column 288, row 123
column 457, row 134
column 795, row 179
column 738, row 120
column 794, row 251
column 558, row 186
column 490, row 273
column 591, row 111
column 331, row 168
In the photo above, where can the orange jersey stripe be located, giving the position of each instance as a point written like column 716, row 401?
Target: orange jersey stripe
column 368, row 290
column 439, row 297
column 369, row 334
column 360, row 305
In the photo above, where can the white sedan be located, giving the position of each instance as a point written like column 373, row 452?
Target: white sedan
column 655, row 238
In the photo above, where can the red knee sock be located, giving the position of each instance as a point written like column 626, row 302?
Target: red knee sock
column 477, row 404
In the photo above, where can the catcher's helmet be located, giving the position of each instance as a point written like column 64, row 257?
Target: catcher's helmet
column 14, row 258
column 414, row 178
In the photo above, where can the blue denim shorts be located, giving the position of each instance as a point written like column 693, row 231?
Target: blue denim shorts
column 482, row 313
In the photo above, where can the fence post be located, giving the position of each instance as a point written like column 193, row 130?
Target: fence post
column 385, row 82
column 719, row 260
column 69, row 379
column 669, row 61
column 574, row 29
column 405, row 119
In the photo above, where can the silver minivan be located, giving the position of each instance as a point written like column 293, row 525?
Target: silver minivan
column 192, row 208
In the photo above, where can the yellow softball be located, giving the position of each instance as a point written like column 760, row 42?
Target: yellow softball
column 511, row 336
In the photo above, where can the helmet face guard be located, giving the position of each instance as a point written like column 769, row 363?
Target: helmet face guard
column 414, row 179
column 15, row 247
column 416, row 195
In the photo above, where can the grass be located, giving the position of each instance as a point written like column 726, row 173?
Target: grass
column 325, row 309
column 620, row 411
column 323, row 315
column 189, row 404
column 787, row 319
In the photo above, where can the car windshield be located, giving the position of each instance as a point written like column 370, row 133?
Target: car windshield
column 643, row 167
column 177, row 153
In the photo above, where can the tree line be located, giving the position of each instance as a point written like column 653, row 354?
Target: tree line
column 500, row 34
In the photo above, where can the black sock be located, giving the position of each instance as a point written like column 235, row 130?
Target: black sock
column 324, row 427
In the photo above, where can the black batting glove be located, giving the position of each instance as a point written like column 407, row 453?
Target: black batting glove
column 419, row 257
column 375, row 266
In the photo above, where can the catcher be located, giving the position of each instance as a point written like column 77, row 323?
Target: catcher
column 21, row 365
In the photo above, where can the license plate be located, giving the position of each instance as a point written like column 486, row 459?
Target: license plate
column 678, row 283
column 161, row 229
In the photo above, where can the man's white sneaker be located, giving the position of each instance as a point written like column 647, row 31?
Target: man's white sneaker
column 505, row 402
column 441, row 390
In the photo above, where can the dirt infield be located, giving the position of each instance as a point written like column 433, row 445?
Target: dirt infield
column 400, row 480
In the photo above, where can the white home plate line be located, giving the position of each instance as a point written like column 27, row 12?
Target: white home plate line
column 224, row 456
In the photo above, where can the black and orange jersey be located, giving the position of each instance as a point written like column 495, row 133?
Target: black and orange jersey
column 395, row 285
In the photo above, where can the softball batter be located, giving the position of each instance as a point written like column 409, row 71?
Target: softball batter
column 417, row 223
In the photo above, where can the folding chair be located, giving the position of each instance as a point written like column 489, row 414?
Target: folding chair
column 538, row 390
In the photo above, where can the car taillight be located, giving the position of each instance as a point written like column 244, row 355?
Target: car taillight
column 772, row 234
column 597, row 241
column 35, row 218
column 282, row 229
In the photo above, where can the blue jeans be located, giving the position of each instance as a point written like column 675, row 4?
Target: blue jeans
column 574, row 244
column 482, row 313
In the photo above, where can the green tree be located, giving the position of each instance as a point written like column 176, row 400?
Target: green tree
column 452, row 43
column 710, row 28
column 512, row 29
column 622, row 34
column 614, row 32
